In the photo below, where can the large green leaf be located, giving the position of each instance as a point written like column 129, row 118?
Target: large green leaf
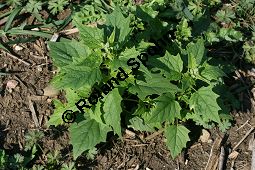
column 177, row 137
column 86, row 135
column 204, row 103
column 167, row 109
column 93, row 37
column 74, row 76
column 155, row 84
column 85, row 72
column 65, row 53
column 112, row 109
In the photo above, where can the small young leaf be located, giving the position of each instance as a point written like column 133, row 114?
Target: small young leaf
column 177, row 137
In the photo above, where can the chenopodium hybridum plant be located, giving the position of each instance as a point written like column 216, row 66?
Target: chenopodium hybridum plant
column 165, row 92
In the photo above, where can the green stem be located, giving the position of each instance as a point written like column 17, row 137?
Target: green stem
column 131, row 100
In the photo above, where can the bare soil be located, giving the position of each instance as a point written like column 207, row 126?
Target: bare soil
column 130, row 153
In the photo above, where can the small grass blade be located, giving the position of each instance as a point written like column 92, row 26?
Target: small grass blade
column 11, row 17
column 21, row 40
column 3, row 47
column 66, row 22
column 29, row 32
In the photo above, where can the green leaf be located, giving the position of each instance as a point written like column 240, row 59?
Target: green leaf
column 167, row 109
column 74, row 76
column 121, row 61
column 198, row 119
column 212, row 72
column 183, row 31
column 56, row 6
column 11, row 18
column 64, row 53
column 120, row 23
column 187, row 82
column 169, row 65
column 230, row 34
column 3, row 47
column 91, row 36
column 196, row 53
column 95, row 113
column 112, row 109
column 86, row 135
column 138, row 124
column 60, row 108
column 153, row 85
column 204, row 103
column 84, row 73
column 177, row 137
column 18, row 31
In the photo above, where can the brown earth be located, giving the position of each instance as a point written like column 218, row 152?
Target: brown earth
column 16, row 119
column 132, row 152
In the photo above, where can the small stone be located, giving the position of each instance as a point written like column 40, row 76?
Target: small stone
column 49, row 100
column 18, row 48
column 39, row 69
column 11, row 84
column 205, row 136
column 50, row 91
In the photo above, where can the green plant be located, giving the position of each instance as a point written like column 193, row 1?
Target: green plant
column 56, row 6
column 33, row 6
column 14, row 3
column 21, row 162
column 163, row 90
column 18, row 161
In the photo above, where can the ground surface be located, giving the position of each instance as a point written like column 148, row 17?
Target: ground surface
column 132, row 152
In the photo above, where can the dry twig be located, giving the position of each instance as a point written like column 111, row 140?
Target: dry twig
column 242, row 125
column 212, row 162
column 245, row 136
column 32, row 109
column 154, row 134
column 253, row 155
column 17, row 58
